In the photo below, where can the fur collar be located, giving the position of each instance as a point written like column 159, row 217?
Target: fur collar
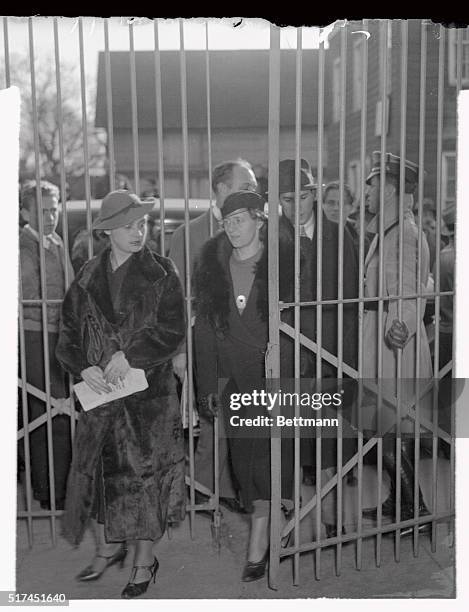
column 145, row 269
column 212, row 278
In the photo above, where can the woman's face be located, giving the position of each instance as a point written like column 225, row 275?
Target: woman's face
column 130, row 238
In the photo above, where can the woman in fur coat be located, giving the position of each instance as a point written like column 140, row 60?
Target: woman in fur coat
column 125, row 310
column 231, row 334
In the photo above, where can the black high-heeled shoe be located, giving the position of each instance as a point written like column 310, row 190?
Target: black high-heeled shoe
column 89, row 573
column 135, row 589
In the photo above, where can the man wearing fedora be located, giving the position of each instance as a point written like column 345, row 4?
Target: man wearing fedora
column 328, row 274
column 125, row 309
column 398, row 334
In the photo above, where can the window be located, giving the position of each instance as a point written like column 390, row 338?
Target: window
column 336, row 90
column 448, row 195
column 453, row 56
column 357, row 76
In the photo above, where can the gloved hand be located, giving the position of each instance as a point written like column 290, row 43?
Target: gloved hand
column 397, row 335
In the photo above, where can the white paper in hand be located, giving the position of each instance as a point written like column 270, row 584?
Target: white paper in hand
column 134, row 381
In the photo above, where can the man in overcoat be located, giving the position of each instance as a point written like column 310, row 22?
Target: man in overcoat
column 398, row 332
column 56, row 262
column 329, row 282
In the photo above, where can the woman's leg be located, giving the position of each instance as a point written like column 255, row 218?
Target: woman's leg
column 259, row 535
column 143, row 561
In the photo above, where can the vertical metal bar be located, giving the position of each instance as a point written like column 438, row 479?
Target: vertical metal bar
column 110, row 120
column 209, row 125
column 25, row 411
column 159, row 132
column 321, row 76
column 6, row 47
column 340, row 282
column 63, row 192
column 383, row 91
column 439, row 147
column 86, row 151
column 361, row 276
column 422, row 101
column 185, row 152
column 403, row 128
column 133, row 106
column 273, row 352
column 42, row 270
column 298, row 119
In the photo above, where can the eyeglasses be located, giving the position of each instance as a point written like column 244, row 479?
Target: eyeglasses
column 235, row 221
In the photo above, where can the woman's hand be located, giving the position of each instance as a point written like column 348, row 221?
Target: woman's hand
column 116, row 369
column 93, row 377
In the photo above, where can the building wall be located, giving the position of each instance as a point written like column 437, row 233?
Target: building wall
column 412, row 116
column 227, row 144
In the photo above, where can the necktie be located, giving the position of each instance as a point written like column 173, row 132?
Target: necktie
column 303, row 231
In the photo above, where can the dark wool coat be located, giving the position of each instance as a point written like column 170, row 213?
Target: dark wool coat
column 232, row 347
column 138, row 440
column 329, row 277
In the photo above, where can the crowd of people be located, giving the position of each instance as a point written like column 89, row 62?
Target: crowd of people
column 125, row 309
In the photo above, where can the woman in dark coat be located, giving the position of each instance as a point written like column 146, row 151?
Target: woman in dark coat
column 125, row 310
column 231, row 334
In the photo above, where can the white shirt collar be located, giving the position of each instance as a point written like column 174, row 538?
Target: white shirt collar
column 46, row 240
column 309, row 226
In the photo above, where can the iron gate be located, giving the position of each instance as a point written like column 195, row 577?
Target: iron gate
column 437, row 61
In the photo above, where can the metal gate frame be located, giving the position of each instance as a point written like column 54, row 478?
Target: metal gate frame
column 275, row 306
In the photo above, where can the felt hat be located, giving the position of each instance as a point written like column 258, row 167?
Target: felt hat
column 119, row 208
column 241, row 201
column 286, row 176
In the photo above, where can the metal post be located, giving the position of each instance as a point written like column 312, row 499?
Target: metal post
column 321, row 90
column 86, row 150
column 185, row 153
column 110, row 121
column 380, row 338
column 209, row 125
column 63, row 198
column 361, row 275
column 133, row 107
column 340, row 283
column 42, row 268
column 159, row 132
column 273, row 350
column 422, row 101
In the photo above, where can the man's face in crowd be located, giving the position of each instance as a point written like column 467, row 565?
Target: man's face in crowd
column 50, row 214
column 331, row 206
column 243, row 179
column 372, row 194
column 241, row 229
column 287, row 202
column 428, row 222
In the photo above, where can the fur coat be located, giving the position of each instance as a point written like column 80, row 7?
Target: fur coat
column 138, row 440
